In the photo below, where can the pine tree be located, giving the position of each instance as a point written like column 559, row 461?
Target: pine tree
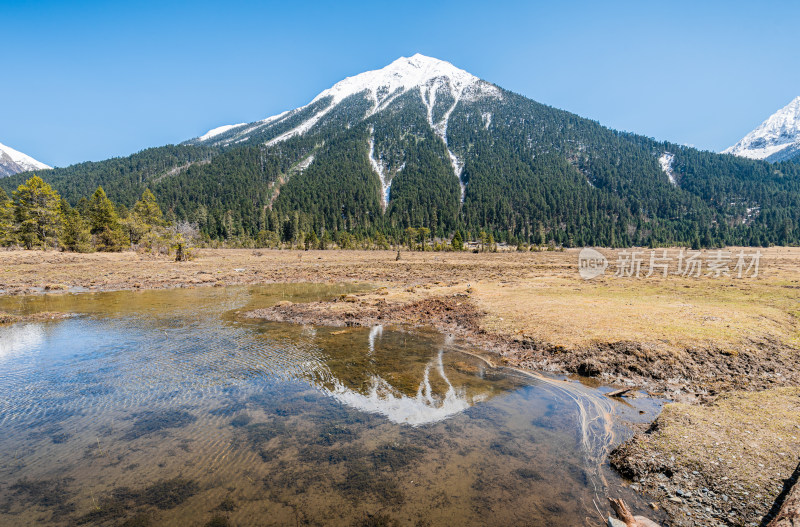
column 311, row 241
column 457, row 243
column 423, row 233
column 381, row 242
column 484, row 240
column 295, row 227
column 75, row 235
column 145, row 217
column 410, row 235
column 104, row 223
column 148, row 210
column 37, row 213
column 7, row 234
column 101, row 212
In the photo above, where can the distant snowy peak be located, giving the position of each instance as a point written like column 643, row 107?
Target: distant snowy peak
column 776, row 139
column 427, row 75
column 13, row 162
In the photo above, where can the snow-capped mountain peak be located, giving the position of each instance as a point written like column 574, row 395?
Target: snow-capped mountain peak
column 776, row 139
column 13, row 162
column 437, row 84
column 403, row 74
column 381, row 87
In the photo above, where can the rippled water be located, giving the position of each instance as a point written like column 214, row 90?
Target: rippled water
column 164, row 408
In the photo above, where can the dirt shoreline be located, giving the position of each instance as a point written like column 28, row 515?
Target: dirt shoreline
column 697, row 374
column 8, row 318
column 702, row 342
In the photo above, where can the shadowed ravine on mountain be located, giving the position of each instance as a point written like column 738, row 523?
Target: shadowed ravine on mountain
column 156, row 406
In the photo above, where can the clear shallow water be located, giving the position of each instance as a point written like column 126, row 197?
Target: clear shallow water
column 164, row 408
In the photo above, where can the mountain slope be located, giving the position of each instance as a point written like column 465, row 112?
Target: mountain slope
column 422, row 143
column 125, row 177
column 776, row 139
column 13, row 162
column 440, row 86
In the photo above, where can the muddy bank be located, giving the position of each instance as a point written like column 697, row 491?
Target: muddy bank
column 8, row 318
column 731, row 462
column 692, row 374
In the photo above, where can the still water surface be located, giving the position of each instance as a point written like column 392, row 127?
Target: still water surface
column 165, row 408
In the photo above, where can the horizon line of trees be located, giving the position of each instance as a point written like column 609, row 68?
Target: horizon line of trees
column 35, row 216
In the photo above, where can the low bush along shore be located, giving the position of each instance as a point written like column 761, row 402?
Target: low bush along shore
column 724, row 348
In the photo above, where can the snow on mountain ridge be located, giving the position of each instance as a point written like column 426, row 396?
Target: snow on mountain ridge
column 778, row 133
column 433, row 79
column 403, row 74
column 386, row 84
column 218, row 130
column 382, row 86
column 13, row 162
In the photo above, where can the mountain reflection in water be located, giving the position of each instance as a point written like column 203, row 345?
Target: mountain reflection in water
column 166, row 408
column 425, row 406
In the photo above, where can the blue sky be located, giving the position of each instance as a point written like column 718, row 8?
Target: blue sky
column 90, row 80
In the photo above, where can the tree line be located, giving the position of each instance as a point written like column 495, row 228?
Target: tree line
column 36, row 217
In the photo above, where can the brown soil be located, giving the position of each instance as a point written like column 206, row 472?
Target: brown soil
column 7, row 318
column 730, row 462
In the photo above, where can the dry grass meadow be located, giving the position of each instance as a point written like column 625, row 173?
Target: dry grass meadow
column 534, row 294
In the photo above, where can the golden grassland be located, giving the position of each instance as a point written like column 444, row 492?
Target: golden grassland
column 735, row 456
column 752, row 438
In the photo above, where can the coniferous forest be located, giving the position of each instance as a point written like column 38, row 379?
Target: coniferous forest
column 530, row 175
column 36, row 217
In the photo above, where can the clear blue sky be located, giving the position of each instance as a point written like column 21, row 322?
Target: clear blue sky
column 90, row 80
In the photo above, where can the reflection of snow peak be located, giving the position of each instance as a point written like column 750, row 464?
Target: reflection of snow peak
column 426, row 407
column 374, row 333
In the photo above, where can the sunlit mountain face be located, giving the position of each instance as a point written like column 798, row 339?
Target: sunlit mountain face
column 14, row 162
column 776, row 139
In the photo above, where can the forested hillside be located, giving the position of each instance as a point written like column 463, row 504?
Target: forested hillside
column 452, row 154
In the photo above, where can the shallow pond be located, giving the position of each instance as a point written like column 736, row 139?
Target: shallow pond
column 165, row 408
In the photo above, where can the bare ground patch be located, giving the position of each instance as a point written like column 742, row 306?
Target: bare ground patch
column 726, row 462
